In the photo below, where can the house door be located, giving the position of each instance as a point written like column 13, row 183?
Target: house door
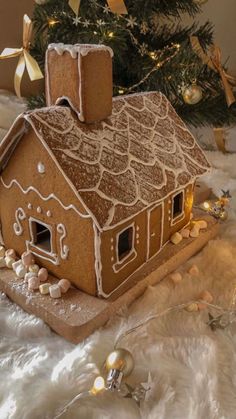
column 154, row 230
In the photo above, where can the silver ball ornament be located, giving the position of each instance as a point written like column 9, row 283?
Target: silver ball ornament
column 192, row 94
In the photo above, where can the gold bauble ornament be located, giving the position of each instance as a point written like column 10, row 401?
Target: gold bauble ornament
column 223, row 215
column 121, row 360
column 192, row 94
column 200, row 2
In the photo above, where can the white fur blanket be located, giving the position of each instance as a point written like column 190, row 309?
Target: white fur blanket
column 192, row 368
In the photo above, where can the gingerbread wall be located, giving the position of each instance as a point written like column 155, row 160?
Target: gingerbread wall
column 16, row 183
column 152, row 229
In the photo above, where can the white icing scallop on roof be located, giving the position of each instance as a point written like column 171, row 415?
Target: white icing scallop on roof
column 124, row 164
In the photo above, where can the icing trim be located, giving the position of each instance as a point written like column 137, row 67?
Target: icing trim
column 120, row 264
column 47, row 198
column 64, row 249
column 78, row 49
column 37, row 250
column 19, row 216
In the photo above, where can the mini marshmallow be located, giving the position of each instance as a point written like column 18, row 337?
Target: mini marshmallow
column 9, row 261
column 202, row 224
column 195, row 231
column 27, row 259
column 44, row 288
column 21, row 271
column 2, row 251
column 55, row 291
column 176, row 277
column 15, row 264
column 33, row 283
column 176, row 238
column 10, row 253
column 192, row 307
column 206, row 296
column 185, row 233
column 2, row 262
column 193, row 270
column 43, row 274
column 29, row 275
column 64, row 284
column 34, row 268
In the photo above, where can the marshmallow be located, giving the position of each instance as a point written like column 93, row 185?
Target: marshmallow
column 2, row 251
column 206, row 296
column 33, row 283
column 27, row 259
column 29, row 275
column 193, row 270
column 185, row 233
column 43, row 275
column 176, row 238
column 21, row 271
column 34, row 268
column 55, row 291
column 15, row 264
column 10, row 253
column 2, row 262
column 202, row 224
column 9, row 261
column 64, row 284
column 195, row 231
column 44, row 288
column 176, row 277
column 192, row 307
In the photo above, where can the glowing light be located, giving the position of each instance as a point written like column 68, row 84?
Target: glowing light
column 52, row 22
column 121, row 91
column 98, row 385
column 95, row 33
column 206, row 205
column 111, row 34
column 152, row 55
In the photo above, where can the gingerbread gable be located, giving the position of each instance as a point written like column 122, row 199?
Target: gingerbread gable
column 124, row 164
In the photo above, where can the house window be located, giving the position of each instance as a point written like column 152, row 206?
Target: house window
column 41, row 236
column 125, row 243
column 178, row 201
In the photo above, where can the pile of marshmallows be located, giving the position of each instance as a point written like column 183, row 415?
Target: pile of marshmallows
column 35, row 277
column 204, row 297
column 192, row 231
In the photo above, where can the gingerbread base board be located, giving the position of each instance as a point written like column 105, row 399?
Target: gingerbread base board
column 76, row 315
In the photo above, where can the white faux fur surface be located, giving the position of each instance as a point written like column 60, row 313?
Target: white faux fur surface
column 193, row 369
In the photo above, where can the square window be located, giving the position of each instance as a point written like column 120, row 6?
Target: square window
column 178, row 204
column 125, row 243
column 41, row 236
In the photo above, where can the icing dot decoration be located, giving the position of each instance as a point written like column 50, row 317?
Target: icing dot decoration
column 41, row 167
column 30, row 206
column 49, row 214
column 39, row 210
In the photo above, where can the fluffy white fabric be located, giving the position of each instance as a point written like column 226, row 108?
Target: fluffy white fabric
column 192, row 367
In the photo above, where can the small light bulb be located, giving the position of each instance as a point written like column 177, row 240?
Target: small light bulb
column 206, row 205
column 52, row 22
column 121, row 91
column 98, row 385
column 95, row 33
column 152, row 55
column 111, row 34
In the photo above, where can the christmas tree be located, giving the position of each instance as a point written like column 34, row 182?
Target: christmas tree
column 152, row 50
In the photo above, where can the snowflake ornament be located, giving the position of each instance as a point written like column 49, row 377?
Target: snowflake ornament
column 76, row 20
column 100, row 22
column 86, row 23
column 131, row 22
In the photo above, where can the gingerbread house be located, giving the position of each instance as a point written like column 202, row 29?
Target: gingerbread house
column 95, row 196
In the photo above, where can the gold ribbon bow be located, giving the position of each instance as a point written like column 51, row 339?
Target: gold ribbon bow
column 214, row 62
column 116, row 6
column 25, row 60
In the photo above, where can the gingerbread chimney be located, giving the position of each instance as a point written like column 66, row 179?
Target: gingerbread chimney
column 80, row 75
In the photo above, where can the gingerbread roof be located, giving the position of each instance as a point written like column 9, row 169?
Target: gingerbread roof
column 125, row 163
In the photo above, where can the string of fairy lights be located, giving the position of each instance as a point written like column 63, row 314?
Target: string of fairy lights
column 158, row 58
